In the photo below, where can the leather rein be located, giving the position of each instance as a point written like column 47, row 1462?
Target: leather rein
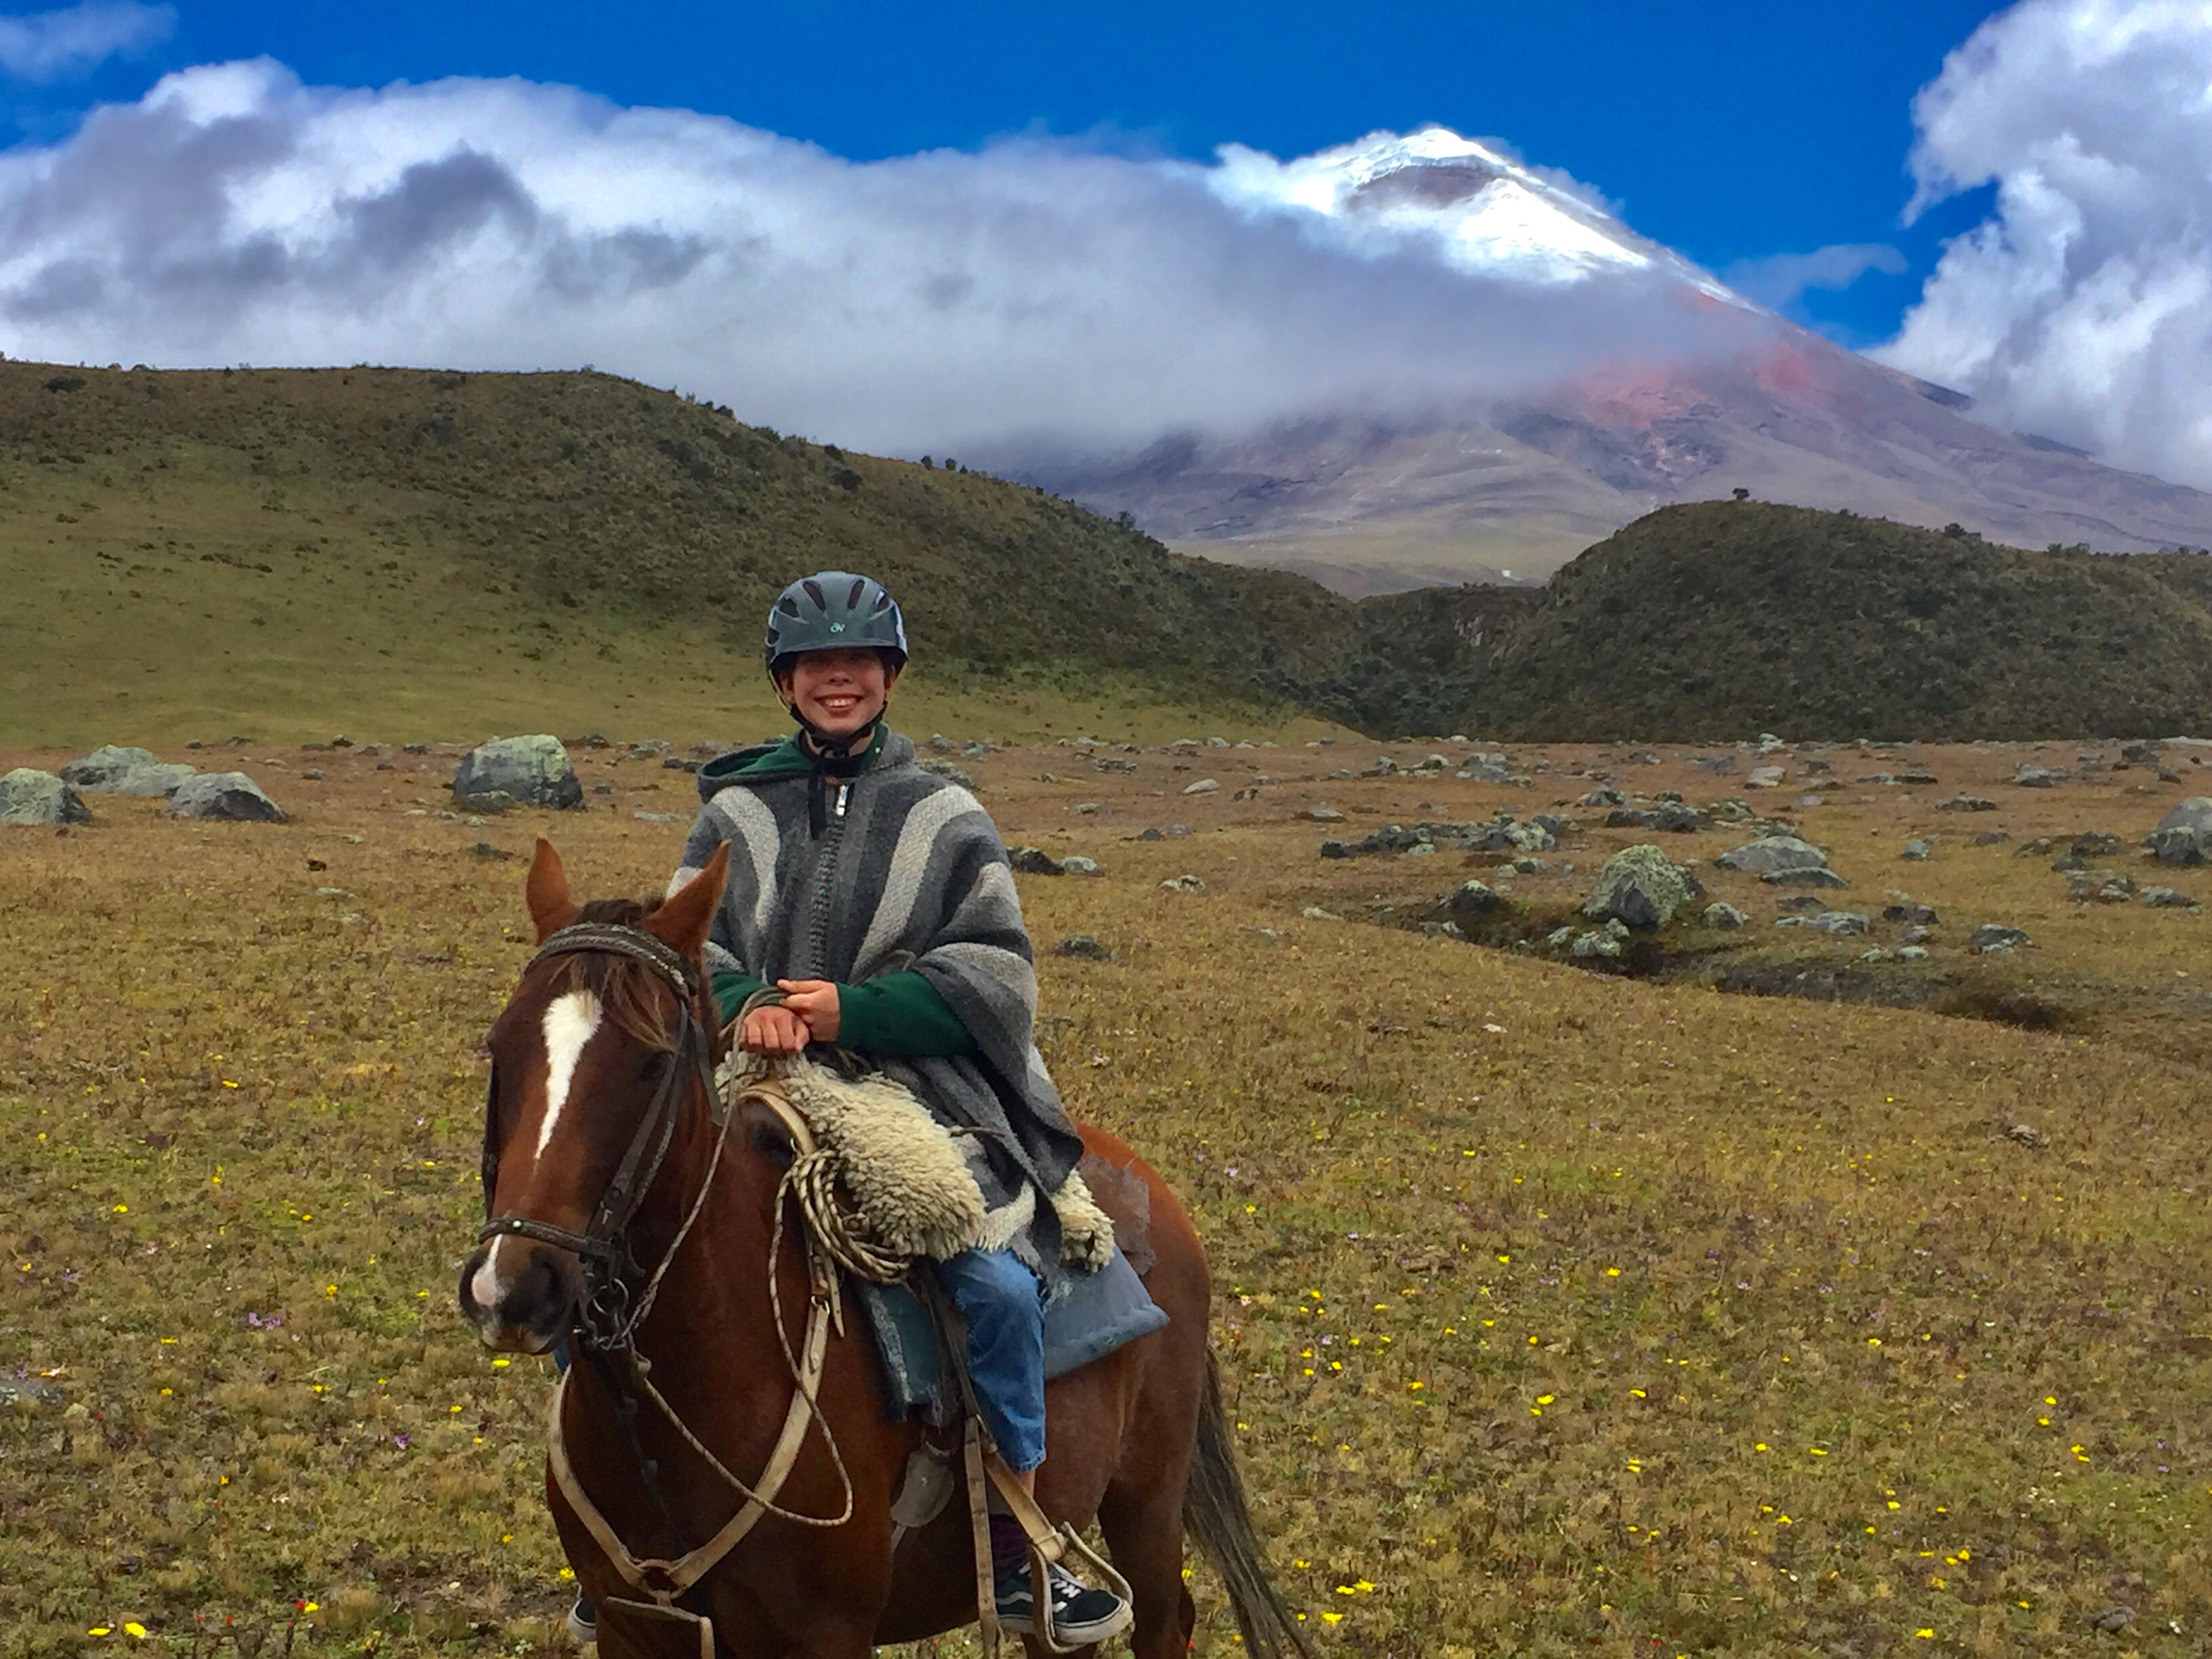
column 609, row 1315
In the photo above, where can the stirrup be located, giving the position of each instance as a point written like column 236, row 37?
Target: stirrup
column 1048, row 1547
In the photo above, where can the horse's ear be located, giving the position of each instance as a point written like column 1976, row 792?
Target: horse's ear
column 684, row 919
column 547, row 892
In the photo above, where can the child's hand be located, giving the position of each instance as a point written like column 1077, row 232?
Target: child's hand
column 772, row 1030
column 815, row 1001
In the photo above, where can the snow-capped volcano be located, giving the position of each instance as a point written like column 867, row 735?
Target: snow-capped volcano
column 1487, row 213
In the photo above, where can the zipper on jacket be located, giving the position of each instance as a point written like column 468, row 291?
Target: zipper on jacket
column 825, row 883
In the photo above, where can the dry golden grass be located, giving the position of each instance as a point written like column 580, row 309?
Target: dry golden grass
column 1562, row 1313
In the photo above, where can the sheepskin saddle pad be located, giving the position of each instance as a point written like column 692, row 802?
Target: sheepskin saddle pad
column 920, row 1188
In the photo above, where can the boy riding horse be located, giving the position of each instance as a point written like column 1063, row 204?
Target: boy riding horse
column 876, row 900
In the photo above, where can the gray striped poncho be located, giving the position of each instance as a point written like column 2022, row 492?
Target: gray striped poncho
column 911, row 875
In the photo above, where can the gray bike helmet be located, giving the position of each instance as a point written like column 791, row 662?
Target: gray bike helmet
column 834, row 611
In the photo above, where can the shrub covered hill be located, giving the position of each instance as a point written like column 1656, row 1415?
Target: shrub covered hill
column 1714, row 620
column 366, row 532
column 586, row 496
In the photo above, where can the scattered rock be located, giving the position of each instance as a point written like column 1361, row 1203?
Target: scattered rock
column 1083, row 946
column 1839, row 921
column 1772, row 854
column 2181, row 844
column 1812, row 877
column 1913, row 954
column 946, row 769
column 227, row 795
column 2112, row 1620
column 30, row 796
column 1668, row 816
column 117, row 771
column 1203, row 787
column 1906, row 910
column 1473, row 901
column 2096, row 844
column 1766, row 777
column 1990, row 940
column 1802, row 904
column 1917, row 935
column 529, row 771
column 1724, row 918
column 1076, row 864
column 1183, row 885
column 2165, row 898
column 1329, row 849
column 1720, row 766
column 939, row 744
column 1034, row 861
column 1315, row 912
column 1602, row 797
column 1323, row 815
column 2038, row 777
column 1877, row 954
column 1915, row 852
column 1596, row 943
column 1641, row 887
column 2027, row 1135
column 1966, row 804
column 1991, row 838
column 1177, row 830
column 1153, row 832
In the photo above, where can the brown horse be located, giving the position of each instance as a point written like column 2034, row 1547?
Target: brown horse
column 588, row 1050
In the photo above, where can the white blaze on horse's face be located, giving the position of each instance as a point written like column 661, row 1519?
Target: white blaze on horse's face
column 572, row 1020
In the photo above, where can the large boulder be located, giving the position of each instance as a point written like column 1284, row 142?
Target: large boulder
column 1642, row 887
column 1771, row 853
column 112, row 769
column 229, row 795
column 503, row 772
column 2181, row 843
column 2195, row 813
column 30, row 796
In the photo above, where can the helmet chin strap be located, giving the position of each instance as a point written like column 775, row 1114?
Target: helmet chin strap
column 825, row 746
column 830, row 754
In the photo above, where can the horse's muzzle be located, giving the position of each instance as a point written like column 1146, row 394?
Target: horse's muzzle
column 520, row 1295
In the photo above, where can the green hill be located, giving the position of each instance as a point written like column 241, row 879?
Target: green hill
column 1716, row 620
column 410, row 553
column 189, row 552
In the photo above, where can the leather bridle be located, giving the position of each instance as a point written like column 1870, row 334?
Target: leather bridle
column 608, row 1317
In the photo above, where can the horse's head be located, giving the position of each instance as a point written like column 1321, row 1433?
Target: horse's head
column 589, row 1069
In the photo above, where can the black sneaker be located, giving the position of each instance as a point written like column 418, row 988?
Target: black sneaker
column 583, row 1623
column 1081, row 1615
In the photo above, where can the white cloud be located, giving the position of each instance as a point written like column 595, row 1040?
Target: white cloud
column 2082, row 308
column 1034, row 288
column 48, row 46
column 1781, row 279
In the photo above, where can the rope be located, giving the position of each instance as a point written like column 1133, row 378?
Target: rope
column 846, row 1236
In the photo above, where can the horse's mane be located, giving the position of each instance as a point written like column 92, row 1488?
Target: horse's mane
column 625, row 988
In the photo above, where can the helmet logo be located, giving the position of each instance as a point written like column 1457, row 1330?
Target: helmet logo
column 836, row 628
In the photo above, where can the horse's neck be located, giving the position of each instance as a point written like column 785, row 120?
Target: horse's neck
column 712, row 1326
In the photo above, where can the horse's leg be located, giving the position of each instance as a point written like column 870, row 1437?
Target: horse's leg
column 1144, row 1529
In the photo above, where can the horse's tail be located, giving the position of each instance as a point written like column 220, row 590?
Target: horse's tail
column 1217, row 1517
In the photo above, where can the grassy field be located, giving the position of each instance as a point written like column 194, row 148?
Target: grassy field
column 1562, row 1313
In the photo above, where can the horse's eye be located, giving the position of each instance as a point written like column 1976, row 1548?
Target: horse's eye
column 655, row 1068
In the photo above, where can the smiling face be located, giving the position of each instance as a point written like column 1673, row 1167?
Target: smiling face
column 837, row 692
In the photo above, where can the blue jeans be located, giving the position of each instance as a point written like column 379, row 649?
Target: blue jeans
column 1004, row 1307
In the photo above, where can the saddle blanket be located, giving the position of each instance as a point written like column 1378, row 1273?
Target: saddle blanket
column 1099, row 1312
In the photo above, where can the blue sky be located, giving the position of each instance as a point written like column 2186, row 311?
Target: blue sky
column 1729, row 130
